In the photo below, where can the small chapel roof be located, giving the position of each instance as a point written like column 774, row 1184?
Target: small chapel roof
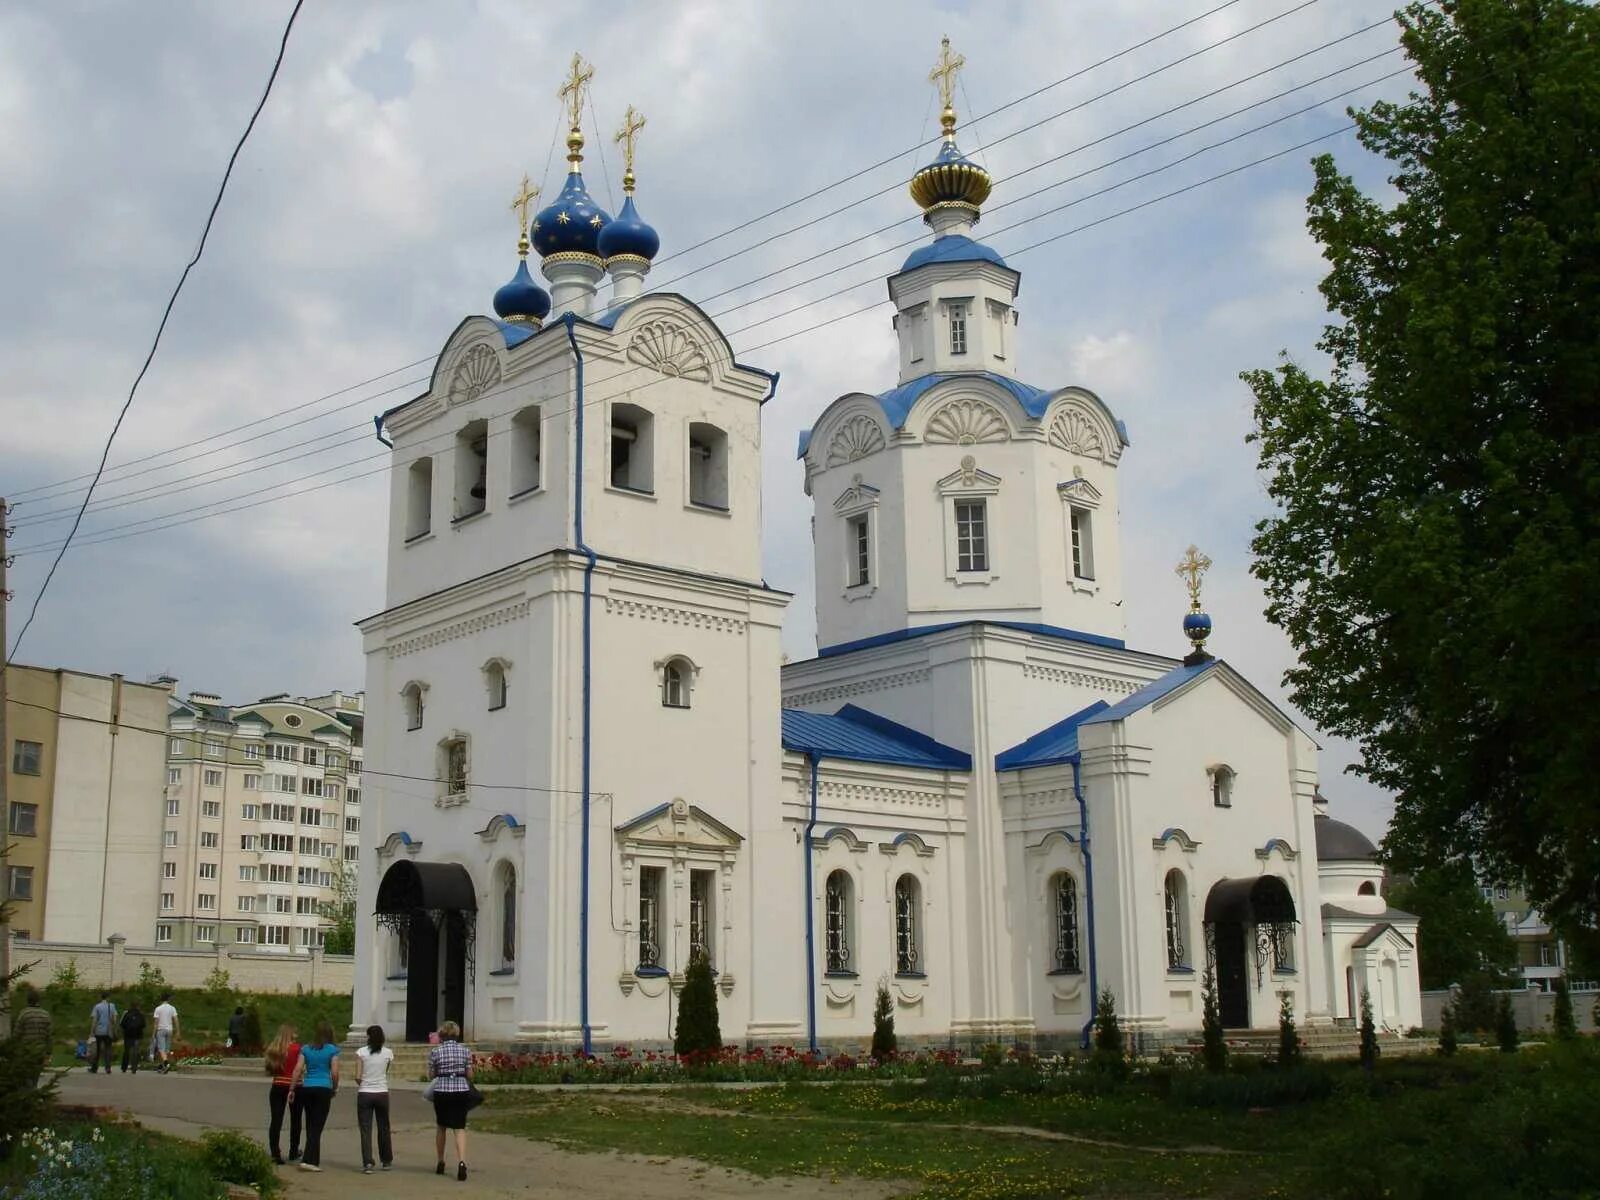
column 1339, row 842
column 1334, row 913
column 955, row 247
column 1056, row 744
column 861, row 736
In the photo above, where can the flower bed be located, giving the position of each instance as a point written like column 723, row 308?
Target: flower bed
column 761, row 1065
column 104, row 1162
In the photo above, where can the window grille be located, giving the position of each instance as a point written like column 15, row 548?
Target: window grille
column 838, row 926
column 700, row 916
column 650, row 917
column 1066, row 913
column 907, row 950
column 1177, row 954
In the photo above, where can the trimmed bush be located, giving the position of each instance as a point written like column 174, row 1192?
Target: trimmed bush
column 1288, row 1037
column 1252, row 1088
column 1216, row 1045
column 1447, row 1031
column 883, row 1039
column 1564, row 1023
column 697, row 1032
column 1110, row 1049
column 1369, row 1033
column 1505, row 1026
column 234, row 1158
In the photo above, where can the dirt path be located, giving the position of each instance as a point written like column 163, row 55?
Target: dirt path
column 501, row 1165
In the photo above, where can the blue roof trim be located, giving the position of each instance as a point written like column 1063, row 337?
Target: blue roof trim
column 1150, row 693
column 1056, row 744
column 953, row 247
column 855, row 734
column 902, row 635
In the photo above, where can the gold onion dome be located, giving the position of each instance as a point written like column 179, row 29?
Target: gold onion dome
column 951, row 179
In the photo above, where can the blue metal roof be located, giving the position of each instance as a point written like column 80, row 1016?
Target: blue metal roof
column 953, row 247
column 1056, row 744
column 916, row 631
column 1150, row 693
column 858, row 735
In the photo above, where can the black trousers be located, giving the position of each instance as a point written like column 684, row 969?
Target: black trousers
column 102, row 1052
column 370, row 1106
column 131, row 1053
column 317, row 1101
column 277, row 1101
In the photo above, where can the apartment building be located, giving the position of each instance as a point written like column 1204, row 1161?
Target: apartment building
column 1541, row 954
column 262, row 816
column 83, row 813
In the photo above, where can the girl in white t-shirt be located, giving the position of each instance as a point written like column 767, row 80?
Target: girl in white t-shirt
column 372, row 1098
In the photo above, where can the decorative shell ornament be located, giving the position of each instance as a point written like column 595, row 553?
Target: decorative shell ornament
column 475, row 374
column 669, row 349
column 967, row 423
column 856, row 438
column 1077, row 434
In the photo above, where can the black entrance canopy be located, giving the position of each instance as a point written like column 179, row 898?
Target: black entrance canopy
column 1264, row 900
column 431, row 886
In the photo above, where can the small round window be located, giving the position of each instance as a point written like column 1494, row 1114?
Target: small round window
column 292, row 721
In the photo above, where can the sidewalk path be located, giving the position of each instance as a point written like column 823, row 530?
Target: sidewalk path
column 501, row 1166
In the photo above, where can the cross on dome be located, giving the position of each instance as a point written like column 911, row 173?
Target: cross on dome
column 943, row 76
column 632, row 122
column 526, row 195
column 571, row 91
column 1191, row 570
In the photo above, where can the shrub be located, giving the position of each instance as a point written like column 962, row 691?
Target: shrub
column 1563, row 1021
column 1505, row 1026
column 66, row 975
column 29, row 1094
column 152, row 979
column 883, row 1039
column 234, row 1158
column 1110, row 1055
column 1369, row 1033
column 991, row 1055
column 218, row 982
column 253, row 1039
column 1474, row 1003
column 1216, row 1046
column 1252, row 1088
column 697, row 1031
column 1288, row 1038
column 1447, row 1031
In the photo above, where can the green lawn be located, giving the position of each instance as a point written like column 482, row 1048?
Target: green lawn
column 1481, row 1124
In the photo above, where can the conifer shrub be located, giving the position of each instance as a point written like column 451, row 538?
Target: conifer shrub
column 1288, row 1036
column 1110, row 1050
column 697, row 1035
column 1216, row 1045
column 883, row 1037
column 1447, row 1030
column 1505, row 1026
column 1369, row 1033
column 253, row 1040
column 1564, row 1023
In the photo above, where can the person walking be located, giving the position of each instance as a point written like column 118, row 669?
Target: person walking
column 103, row 1029
column 316, row 1078
column 283, row 1056
column 236, row 1030
column 166, row 1031
column 132, row 1037
column 372, row 1099
column 450, row 1068
column 33, row 1028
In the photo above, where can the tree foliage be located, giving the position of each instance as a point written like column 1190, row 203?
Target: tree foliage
column 1288, row 1036
column 884, row 1042
column 1458, row 935
column 339, row 936
column 1369, row 1033
column 698, row 1032
column 1447, row 1031
column 1435, row 553
column 1110, row 1047
column 1506, row 1025
column 1215, row 1043
column 1563, row 1021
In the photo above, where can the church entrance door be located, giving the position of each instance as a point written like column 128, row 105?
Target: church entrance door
column 1244, row 914
column 1233, row 984
column 434, row 906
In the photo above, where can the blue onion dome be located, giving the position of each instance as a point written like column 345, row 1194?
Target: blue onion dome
column 1197, row 627
column 522, row 300
column 628, row 236
column 572, row 224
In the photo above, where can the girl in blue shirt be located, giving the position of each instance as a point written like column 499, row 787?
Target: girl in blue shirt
column 316, row 1078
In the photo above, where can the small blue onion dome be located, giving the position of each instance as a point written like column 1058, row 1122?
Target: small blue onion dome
column 629, row 236
column 522, row 299
column 572, row 224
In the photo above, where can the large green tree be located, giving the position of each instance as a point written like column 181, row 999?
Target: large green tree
column 1458, row 936
column 1434, row 554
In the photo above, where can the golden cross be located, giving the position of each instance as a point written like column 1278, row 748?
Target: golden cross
column 572, row 90
column 1193, row 566
column 632, row 122
column 944, row 71
column 523, row 200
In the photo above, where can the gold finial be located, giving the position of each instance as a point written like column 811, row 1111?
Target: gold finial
column 1190, row 570
column 524, row 199
column 943, row 76
column 632, row 122
column 571, row 93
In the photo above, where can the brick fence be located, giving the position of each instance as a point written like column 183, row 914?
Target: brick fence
column 116, row 964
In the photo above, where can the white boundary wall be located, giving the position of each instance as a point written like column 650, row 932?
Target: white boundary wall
column 1534, row 1009
column 116, row 965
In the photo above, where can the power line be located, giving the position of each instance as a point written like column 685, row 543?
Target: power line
column 173, row 487
column 166, row 314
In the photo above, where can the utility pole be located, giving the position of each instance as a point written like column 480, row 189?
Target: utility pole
column 5, row 770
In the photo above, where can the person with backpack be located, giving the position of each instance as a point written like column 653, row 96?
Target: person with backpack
column 372, row 1098
column 132, row 1037
column 103, row 1029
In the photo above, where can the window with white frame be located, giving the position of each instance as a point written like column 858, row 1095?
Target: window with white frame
column 1176, row 908
column 677, row 678
column 247, row 874
column 999, row 318
column 169, row 838
column 23, row 819
column 494, row 679
column 1064, row 959
column 208, row 870
column 972, row 535
column 858, row 540
column 274, row 935
column 214, row 749
column 1222, row 777
column 174, row 775
column 281, row 904
column 175, row 747
column 278, row 873
column 252, row 750
column 330, row 791
column 205, row 933
column 244, row 935
column 411, row 694
column 247, row 842
column 352, row 853
column 353, row 796
column 838, row 899
column 311, row 846
column 277, row 812
column 283, row 752
column 163, row 933
column 252, row 783
column 211, row 808
column 311, row 756
column 908, row 926
column 19, row 883
column 1082, row 534
column 205, row 901
column 652, row 883
column 702, row 915
column 250, row 812
column 352, row 824
column 956, row 315
column 208, row 841
column 168, row 901
column 277, row 843
column 286, row 783
column 169, row 870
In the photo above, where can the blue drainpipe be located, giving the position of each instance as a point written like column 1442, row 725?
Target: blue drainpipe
column 1088, row 900
column 588, row 691
column 377, row 424
column 811, row 918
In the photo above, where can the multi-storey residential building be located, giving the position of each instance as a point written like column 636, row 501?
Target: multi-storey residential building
column 263, row 814
column 83, row 779
column 1541, row 954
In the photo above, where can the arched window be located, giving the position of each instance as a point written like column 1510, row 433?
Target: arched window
column 676, row 683
column 1222, row 785
column 1177, row 914
column 494, row 678
column 1064, row 958
column 907, row 926
column 454, row 766
column 840, row 926
column 525, row 452
column 411, row 694
column 632, row 448
column 419, row 498
column 1367, row 889
column 508, row 916
column 708, row 466
column 472, row 469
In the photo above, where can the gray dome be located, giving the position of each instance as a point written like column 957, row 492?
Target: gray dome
column 1338, row 842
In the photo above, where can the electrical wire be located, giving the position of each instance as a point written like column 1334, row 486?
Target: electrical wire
column 166, row 314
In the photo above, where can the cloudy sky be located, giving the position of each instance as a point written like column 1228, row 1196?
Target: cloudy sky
column 368, row 214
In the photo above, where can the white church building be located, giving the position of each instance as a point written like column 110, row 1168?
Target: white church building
column 586, row 760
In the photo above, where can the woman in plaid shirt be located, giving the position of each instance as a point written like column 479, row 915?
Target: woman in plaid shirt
column 450, row 1068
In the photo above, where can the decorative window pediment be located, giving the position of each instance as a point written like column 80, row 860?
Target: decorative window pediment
column 398, row 841
column 858, row 495
column 1079, row 490
column 678, row 824
column 502, row 823
column 968, row 479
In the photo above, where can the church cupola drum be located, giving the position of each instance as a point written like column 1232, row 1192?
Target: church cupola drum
column 567, row 232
